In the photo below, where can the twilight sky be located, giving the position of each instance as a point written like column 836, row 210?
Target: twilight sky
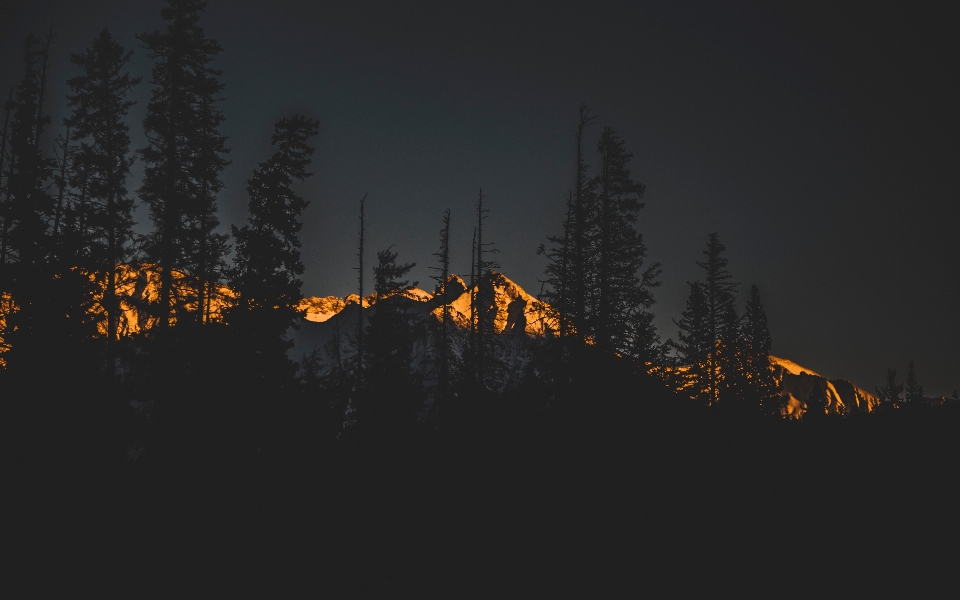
column 820, row 141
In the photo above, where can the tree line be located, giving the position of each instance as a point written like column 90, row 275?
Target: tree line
column 211, row 357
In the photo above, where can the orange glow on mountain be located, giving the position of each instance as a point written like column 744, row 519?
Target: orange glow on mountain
column 138, row 289
column 138, row 292
column 7, row 307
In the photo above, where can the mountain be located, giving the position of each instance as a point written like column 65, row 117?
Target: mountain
column 516, row 310
column 802, row 388
column 329, row 328
column 330, row 325
column 328, row 331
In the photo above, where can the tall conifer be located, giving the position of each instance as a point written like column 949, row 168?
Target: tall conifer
column 912, row 390
column 99, row 102
column 762, row 387
column 391, row 385
column 267, row 266
column 720, row 292
column 622, row 289
column 184, row 155
column 694, row 345
column 24, row 240
column 891, row 392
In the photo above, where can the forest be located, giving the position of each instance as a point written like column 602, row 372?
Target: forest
column 161, row 437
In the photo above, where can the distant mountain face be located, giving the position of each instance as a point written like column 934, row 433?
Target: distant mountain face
column 516, row 310
column 329, row 328
column 330, row 325
column 802, row 388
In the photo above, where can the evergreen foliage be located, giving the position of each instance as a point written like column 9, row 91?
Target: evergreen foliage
column 267, row 265
column 891, row 392
column 694, row 345
column 912, row 390
column 184, row 156
column 722, row 325
column 388, row 402
column 99, row 102
column 758, row 372
column 596, row 277
column 28, row 207
column 623, row 289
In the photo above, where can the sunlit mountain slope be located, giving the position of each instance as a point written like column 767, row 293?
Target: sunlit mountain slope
column 801, row 387
column 330, row 325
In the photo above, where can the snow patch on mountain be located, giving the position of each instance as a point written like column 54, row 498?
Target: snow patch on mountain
column 803, row 389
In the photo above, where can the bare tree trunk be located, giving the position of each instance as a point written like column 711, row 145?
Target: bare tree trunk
column 360, row 300
column 473, row 301
column 3, row 156
column 61, row 184
column 442, row 376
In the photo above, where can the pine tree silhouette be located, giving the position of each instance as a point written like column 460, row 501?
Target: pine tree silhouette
column 391, row 390
column 53, row 300
column 891, row 392
column 912, row 390
column 99, row 105
column 28, row 206
column 183, row 156
column 719, row 290
column 266, row 280
column 623, row 323
column 267, row 266
column 694, row 346
column 758, row 372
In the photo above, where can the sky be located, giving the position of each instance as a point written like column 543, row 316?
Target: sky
column 820, row 140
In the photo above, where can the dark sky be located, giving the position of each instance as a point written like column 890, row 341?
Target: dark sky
column 819, row 140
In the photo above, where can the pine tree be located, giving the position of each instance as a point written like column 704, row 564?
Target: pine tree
column 719, row 290
column 762, row 387
column 912, row 390
column 184, row 153
column 266, row 280
column 28, row 207
column 267, row 266
column 99, row 102
column 53, row 324
column 53, row 301
column 694, row 346
column 595, row 271
column 207, row 247
column 391, row 385
column 623, row 289
column 891, row 392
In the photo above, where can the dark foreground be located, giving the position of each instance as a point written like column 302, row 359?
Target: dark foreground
column 647, row 498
